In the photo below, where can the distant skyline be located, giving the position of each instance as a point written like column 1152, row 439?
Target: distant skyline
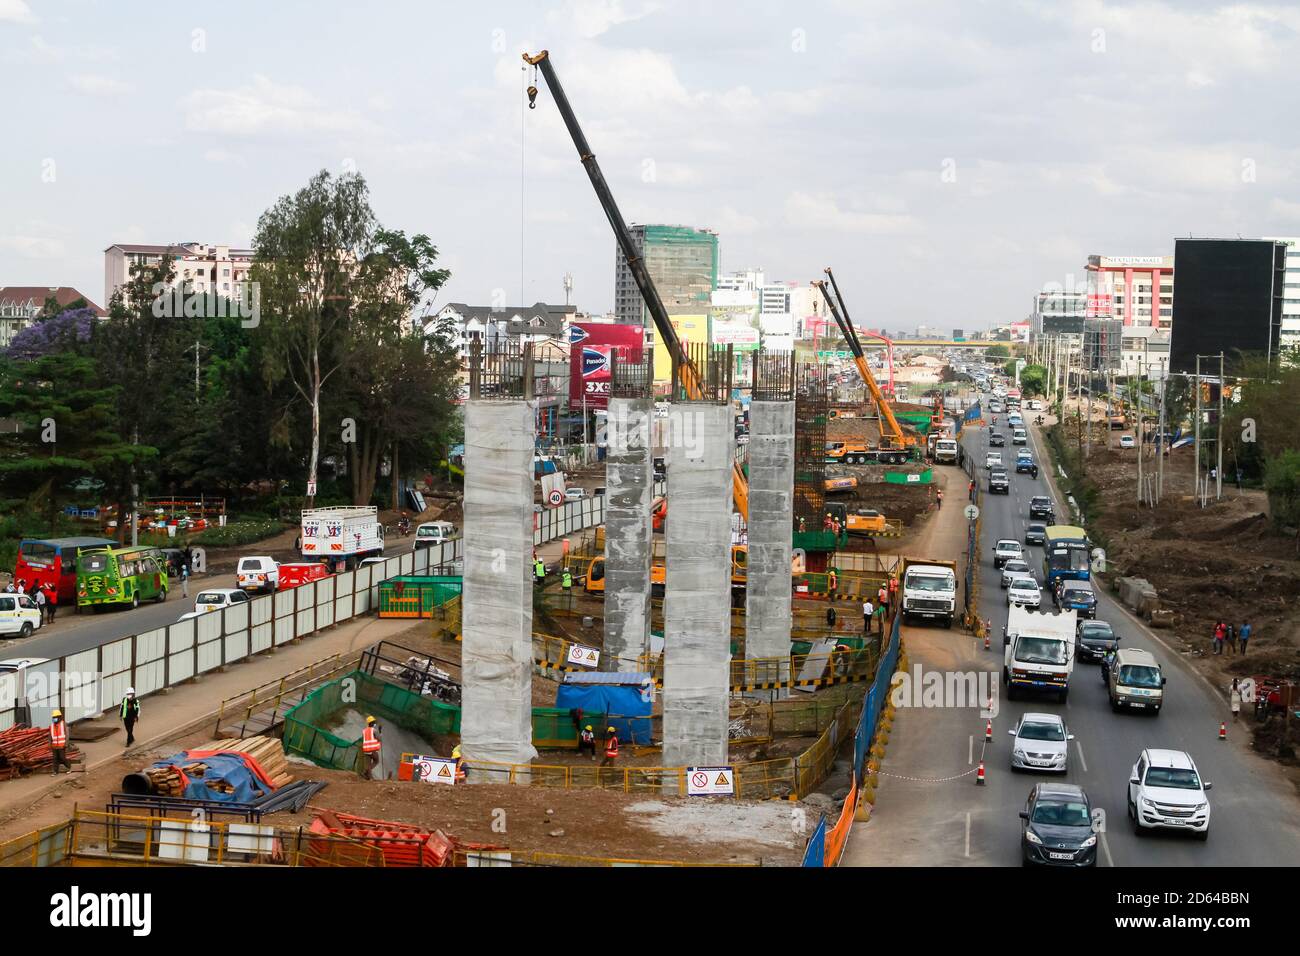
column 948, row 158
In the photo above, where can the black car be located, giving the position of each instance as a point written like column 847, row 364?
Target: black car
column 1036, row 534
column 1076, row 596
column 1093, row 639
column 997, row 440
column 1040, row 506
column 1057, row 827
column 998, row 483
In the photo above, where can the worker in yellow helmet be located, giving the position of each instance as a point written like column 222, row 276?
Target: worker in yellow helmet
column 587, row 742
column 371, row 745
column 460, row 763
column 59, row 741
column 611, row 747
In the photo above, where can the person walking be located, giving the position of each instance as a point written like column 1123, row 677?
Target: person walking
column 51, row 600
column 867, row 611
column 59, row 742
column 39, row 598
column 1218, row 637
column 566, row 585
column 1243, row 636
column 371, row 746
column 893, row 590
column 938, row 498
column 611, row 747
column 587, row 742
column 130, row 713
column 185, row 580
column 1234, row 698
column 1230, row 636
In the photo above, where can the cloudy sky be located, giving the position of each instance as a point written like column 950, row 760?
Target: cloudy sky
column 947, row 157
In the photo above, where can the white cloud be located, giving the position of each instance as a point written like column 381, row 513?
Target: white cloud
column 224, row 157
column 16, row 11
column 93, row 84
column 820, row 211
column 731, row 222
column 1285, row 209
column 591, row 18
column 266, row 108
column 32, row 247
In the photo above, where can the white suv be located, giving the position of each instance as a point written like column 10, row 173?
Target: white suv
column 993, row 459
column 1005, row 550
column 1024, row 591
column 258, row 573
column 1165, row 790
column 19, row 615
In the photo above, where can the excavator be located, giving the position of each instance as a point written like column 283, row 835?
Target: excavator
column 895, row 446
column 687, row 373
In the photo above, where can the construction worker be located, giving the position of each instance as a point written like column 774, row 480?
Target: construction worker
column 832, row 582
column 828, row 523
column 587, row 742
column 460, row 764
column 130, row 713
column 803, row 525
column 566, row 585
column 371, row 746
column 59, row 742
column 893, row 590
column 539, row 572
column 611, row 747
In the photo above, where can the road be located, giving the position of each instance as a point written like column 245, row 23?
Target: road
column 73, row 632
column 922, row 817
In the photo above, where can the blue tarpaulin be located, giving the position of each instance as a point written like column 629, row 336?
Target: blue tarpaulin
column 628, row 702
column 228, row 768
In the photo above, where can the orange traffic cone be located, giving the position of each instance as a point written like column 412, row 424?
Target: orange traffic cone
column 988, row 730
column 979, row 774
column 1223, row 730
column 986, row 639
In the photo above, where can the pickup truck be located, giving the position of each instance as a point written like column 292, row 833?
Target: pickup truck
column 1038, row 651
column 993, row 459
column 1005, row 550
column 929, row 589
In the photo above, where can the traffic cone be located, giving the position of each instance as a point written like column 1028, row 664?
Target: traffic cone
column 986, row 640
column 979, row 774
column 988, row 730
column 1223, row 730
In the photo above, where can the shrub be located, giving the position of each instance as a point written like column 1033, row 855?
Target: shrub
column 238, row 533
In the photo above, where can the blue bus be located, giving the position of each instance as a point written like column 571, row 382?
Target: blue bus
column 1067, row 555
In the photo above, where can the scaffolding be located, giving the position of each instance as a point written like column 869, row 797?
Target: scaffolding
column 811, row 407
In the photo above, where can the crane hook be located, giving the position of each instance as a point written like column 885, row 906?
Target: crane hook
column 532, row 97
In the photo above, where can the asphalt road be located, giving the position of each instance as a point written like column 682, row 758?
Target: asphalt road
column 929, row 811
column 72, row 632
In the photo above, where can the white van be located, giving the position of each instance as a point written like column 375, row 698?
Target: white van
column 430, row 533
column 19, row 615
column 259, row 573
column 1019, row 436
column 1134, row 681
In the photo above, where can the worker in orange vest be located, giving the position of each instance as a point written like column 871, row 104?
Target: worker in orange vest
column 611, row 747
column 460, row 764
column 59, row 742
column 832, row 582
column 893, row 590
column 371, row 746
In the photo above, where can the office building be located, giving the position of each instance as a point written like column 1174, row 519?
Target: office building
column 683, row 264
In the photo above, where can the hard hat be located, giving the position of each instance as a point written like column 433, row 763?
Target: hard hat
column 611, row 730
column 456, row 751
column 370, row 720
column 57, row 714
column 589, row 726
column 130, row 692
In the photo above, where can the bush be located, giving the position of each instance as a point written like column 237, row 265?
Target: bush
column 1282, row 482
column 238, row 533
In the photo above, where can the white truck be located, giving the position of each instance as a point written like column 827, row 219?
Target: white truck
column 1038, row 651
column 945, row 451
column 343, row 535
column 929, row 589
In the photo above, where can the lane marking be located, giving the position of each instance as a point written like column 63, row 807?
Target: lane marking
column 970, row 753
column 1079, row 747
column 1110, row 861
column 968, row 833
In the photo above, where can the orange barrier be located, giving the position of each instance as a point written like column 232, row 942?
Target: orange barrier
column 838, row 836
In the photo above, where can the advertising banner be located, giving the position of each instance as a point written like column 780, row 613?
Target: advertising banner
column 590, row 345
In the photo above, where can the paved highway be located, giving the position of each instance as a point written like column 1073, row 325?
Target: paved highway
column 929, row 810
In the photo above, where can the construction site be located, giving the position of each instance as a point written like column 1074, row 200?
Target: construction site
column 661, row 683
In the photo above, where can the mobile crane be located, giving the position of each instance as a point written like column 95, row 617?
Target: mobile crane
column 895, row 447
column 686, row 370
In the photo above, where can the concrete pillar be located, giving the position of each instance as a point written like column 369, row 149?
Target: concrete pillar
column 771, row 520
column 497, row 599
column 697, row 605
column 629, row 495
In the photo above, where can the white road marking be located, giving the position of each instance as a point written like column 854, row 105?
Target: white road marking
column 1079, row 749
column 970, row 753
column 1110, row 861
column 968, row 833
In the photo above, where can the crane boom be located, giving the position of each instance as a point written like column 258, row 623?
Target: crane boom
column 689, row 374
column 891, row 434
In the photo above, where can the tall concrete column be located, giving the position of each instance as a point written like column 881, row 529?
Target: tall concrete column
column 629, row 495
column 497, row 600
column 771, row 520
column 697, row 605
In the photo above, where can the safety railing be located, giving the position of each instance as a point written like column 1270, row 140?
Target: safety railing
column 236, row 713
column 753, row 781
column 48, row 846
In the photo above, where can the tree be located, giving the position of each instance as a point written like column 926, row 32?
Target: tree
column 1033, row 380
column 1282, row 482
column 307, row 251
column 997, row 351
column 64, row 332
column 51, row 307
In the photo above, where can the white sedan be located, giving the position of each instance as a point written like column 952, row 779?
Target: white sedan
column 1126, row 441
column 1014, row 568
column 1042, row 743
column 1024, row 591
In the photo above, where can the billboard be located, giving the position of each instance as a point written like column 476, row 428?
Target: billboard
column 691, row 330
column 1227, row 298
column 590, row 344
column 734, row 333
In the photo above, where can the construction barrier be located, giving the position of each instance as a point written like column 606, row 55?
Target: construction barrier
column 838, row 836
column 533, row 858
column 761, row 780
column 416, row 596
column 814, row 853
column 814, row 764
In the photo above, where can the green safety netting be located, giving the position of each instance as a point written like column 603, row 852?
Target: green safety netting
column 416, row 594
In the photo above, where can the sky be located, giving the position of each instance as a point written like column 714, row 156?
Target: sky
column 948, row 158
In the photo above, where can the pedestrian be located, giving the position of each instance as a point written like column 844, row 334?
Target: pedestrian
column 938, row 498
column 1230, row 636
column 297, row 542
column 587, row 742
column 566, row 585
column 1234, row 698
column 51, row 600
column 539, row 573
column 9, row 588
column 39, row 598
column 611, row 747
column 185, row 580
column 1243, row 635
column 371, row 745
column 130, row 713
column 1219, row 632
column 1239, row 479
column 189, row 558
column 22, row 585
column 867, row 611
column 59, row 742
column 803, row 525
column 832, row 584
column 830, row 616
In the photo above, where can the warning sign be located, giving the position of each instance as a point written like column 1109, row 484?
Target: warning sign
column 583, row 656
column 433, row 770
column 710, row 781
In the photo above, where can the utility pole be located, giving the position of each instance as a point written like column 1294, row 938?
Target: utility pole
column 1160, row 435
column 1140, row 447
column 1218, row 441
column 1197, row 458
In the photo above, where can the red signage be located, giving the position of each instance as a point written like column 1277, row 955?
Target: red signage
column 590, row 346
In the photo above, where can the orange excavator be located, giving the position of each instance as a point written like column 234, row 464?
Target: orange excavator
column 687, row 373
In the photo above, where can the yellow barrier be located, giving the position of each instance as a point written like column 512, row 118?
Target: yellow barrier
column 760, row 780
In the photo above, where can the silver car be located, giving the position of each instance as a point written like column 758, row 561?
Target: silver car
column 1041, row 743
column 1013, row 568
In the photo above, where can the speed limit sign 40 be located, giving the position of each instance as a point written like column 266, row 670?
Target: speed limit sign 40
column 556, row 497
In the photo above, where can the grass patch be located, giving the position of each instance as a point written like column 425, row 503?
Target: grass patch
column 1086, row 494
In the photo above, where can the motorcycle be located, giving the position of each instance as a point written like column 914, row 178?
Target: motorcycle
column 404, row 527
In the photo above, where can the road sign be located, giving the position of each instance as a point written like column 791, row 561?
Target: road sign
column 583, row 656
column 311, row 489
column 710, row 781
column 972, row 512
column 556, row 497
column 433, row 770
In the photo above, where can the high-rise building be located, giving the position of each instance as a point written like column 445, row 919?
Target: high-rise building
column 1137, row 290
column 1059, row 312
column 683, row 264
column 1289, row 340
column 200, row 267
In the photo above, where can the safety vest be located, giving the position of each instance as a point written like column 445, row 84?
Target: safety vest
column 59, row 734
column 588, row 737
column 611, row 746
column 130, row 705
column 893, row 585
column 539, row 569
column 831, row 580
column 566, row 580
column 370, row 740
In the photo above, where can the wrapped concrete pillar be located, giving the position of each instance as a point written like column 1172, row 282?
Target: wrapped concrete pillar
column 771, row 521
column 697, row 603
column 629, row 496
